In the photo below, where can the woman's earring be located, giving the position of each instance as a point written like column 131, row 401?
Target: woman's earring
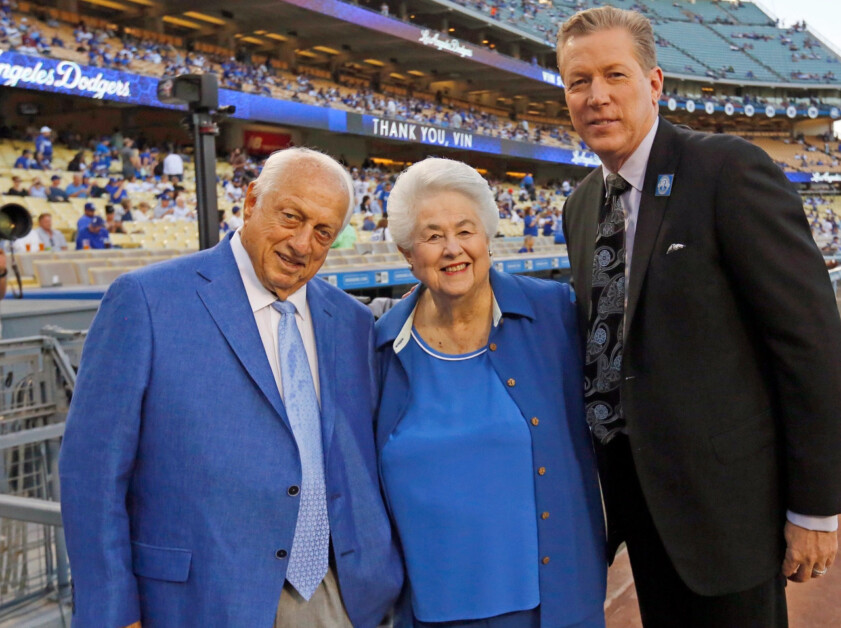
column 411, row 267
column 490, row 253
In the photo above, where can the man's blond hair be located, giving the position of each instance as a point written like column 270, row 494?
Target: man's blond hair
column 607, row 18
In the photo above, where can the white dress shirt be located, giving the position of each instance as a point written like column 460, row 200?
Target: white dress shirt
column 267, row 318
column 633, row 171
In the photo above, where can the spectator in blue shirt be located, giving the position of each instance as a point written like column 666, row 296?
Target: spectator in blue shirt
column 101, row 164
column 528, row 185
column 111, row 186
column 44, row 147
column 94, row 235
column 77, row 189
column 529, row 222
column 548, row 226
column 117, row 194
column 103, row 148
column 56, row 194
column 90, row 211
column 385, row 192
column 26, row 162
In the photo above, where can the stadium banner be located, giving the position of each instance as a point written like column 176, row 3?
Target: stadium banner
column 417, row 133
column 68, row 77
column 814, row 177
column 406, row 131
column 424, row 36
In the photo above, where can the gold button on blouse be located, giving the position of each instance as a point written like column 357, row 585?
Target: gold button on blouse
column 511, row 382
column 544, row 515
column 541, row 471
column 545, row 560
column 493, row 346
column 535, row 420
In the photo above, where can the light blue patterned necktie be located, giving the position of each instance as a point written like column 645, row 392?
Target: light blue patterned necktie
column 309, row 556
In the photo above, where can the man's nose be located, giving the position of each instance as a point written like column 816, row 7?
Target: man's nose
column 599, row 92
column 301, row 242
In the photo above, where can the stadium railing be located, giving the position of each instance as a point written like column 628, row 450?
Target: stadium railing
column 37, row 376
column 835, row 278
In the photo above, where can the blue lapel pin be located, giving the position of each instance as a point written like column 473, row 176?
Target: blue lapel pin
column 664, row 185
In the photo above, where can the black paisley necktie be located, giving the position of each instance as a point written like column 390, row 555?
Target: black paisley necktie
column 603, row 359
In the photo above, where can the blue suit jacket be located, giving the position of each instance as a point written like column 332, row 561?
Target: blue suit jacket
column 178, row 454
column 536, row 344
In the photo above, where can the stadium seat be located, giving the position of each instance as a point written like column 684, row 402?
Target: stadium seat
column 56, row 273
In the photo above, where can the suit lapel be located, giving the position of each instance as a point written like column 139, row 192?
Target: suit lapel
column 225, row 299
column 583, row 220
column 324, row 325
column 663, row 159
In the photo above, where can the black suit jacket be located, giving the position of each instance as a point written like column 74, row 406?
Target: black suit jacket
column 732, row 359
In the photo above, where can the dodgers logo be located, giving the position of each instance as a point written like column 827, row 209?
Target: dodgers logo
column 664, row 185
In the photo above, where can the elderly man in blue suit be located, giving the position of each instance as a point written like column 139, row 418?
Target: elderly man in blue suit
column 218, row 466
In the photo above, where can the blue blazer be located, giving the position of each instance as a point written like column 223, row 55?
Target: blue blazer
column 178, row 455
column 536, row 346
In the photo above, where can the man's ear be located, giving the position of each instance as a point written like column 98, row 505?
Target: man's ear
column 249, row 203
column 655, row 78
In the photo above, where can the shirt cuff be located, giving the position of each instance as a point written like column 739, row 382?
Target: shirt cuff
column 819, row 524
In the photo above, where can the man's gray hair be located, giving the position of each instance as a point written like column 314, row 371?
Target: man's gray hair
column 429, row 177
column 280, row 159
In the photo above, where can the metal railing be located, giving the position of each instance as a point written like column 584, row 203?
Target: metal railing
column 835, row 278
column 37, row 376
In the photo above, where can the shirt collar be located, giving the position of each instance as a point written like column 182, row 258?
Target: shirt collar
column 633, row 170
column 406, row 331
column 258, row 296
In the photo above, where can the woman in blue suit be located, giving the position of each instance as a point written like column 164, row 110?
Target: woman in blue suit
column 484, row 454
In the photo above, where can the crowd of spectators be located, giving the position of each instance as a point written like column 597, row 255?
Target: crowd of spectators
column 139, row 170
column 537, row 209
column 825, row 222
column 144, row 171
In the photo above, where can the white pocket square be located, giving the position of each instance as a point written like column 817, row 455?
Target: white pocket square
column 675, row 247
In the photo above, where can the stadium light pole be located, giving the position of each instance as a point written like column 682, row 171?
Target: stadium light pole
column 200, row 92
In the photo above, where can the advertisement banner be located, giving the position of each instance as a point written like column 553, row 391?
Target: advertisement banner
column 265, row 142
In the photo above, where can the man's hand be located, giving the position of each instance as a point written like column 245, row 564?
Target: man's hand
column 808, row 550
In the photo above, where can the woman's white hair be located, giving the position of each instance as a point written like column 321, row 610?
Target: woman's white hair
column 280, row 159
column 431, row 176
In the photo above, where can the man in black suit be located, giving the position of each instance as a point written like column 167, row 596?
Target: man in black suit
column 713, row 384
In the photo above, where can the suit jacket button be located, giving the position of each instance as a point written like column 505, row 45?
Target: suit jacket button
column 281, row 553
column 545, row 560
column 535, row 421
column 544, row 515
column 492, row 346
column 293, row 490
column 541, row 471
column 511, row 382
